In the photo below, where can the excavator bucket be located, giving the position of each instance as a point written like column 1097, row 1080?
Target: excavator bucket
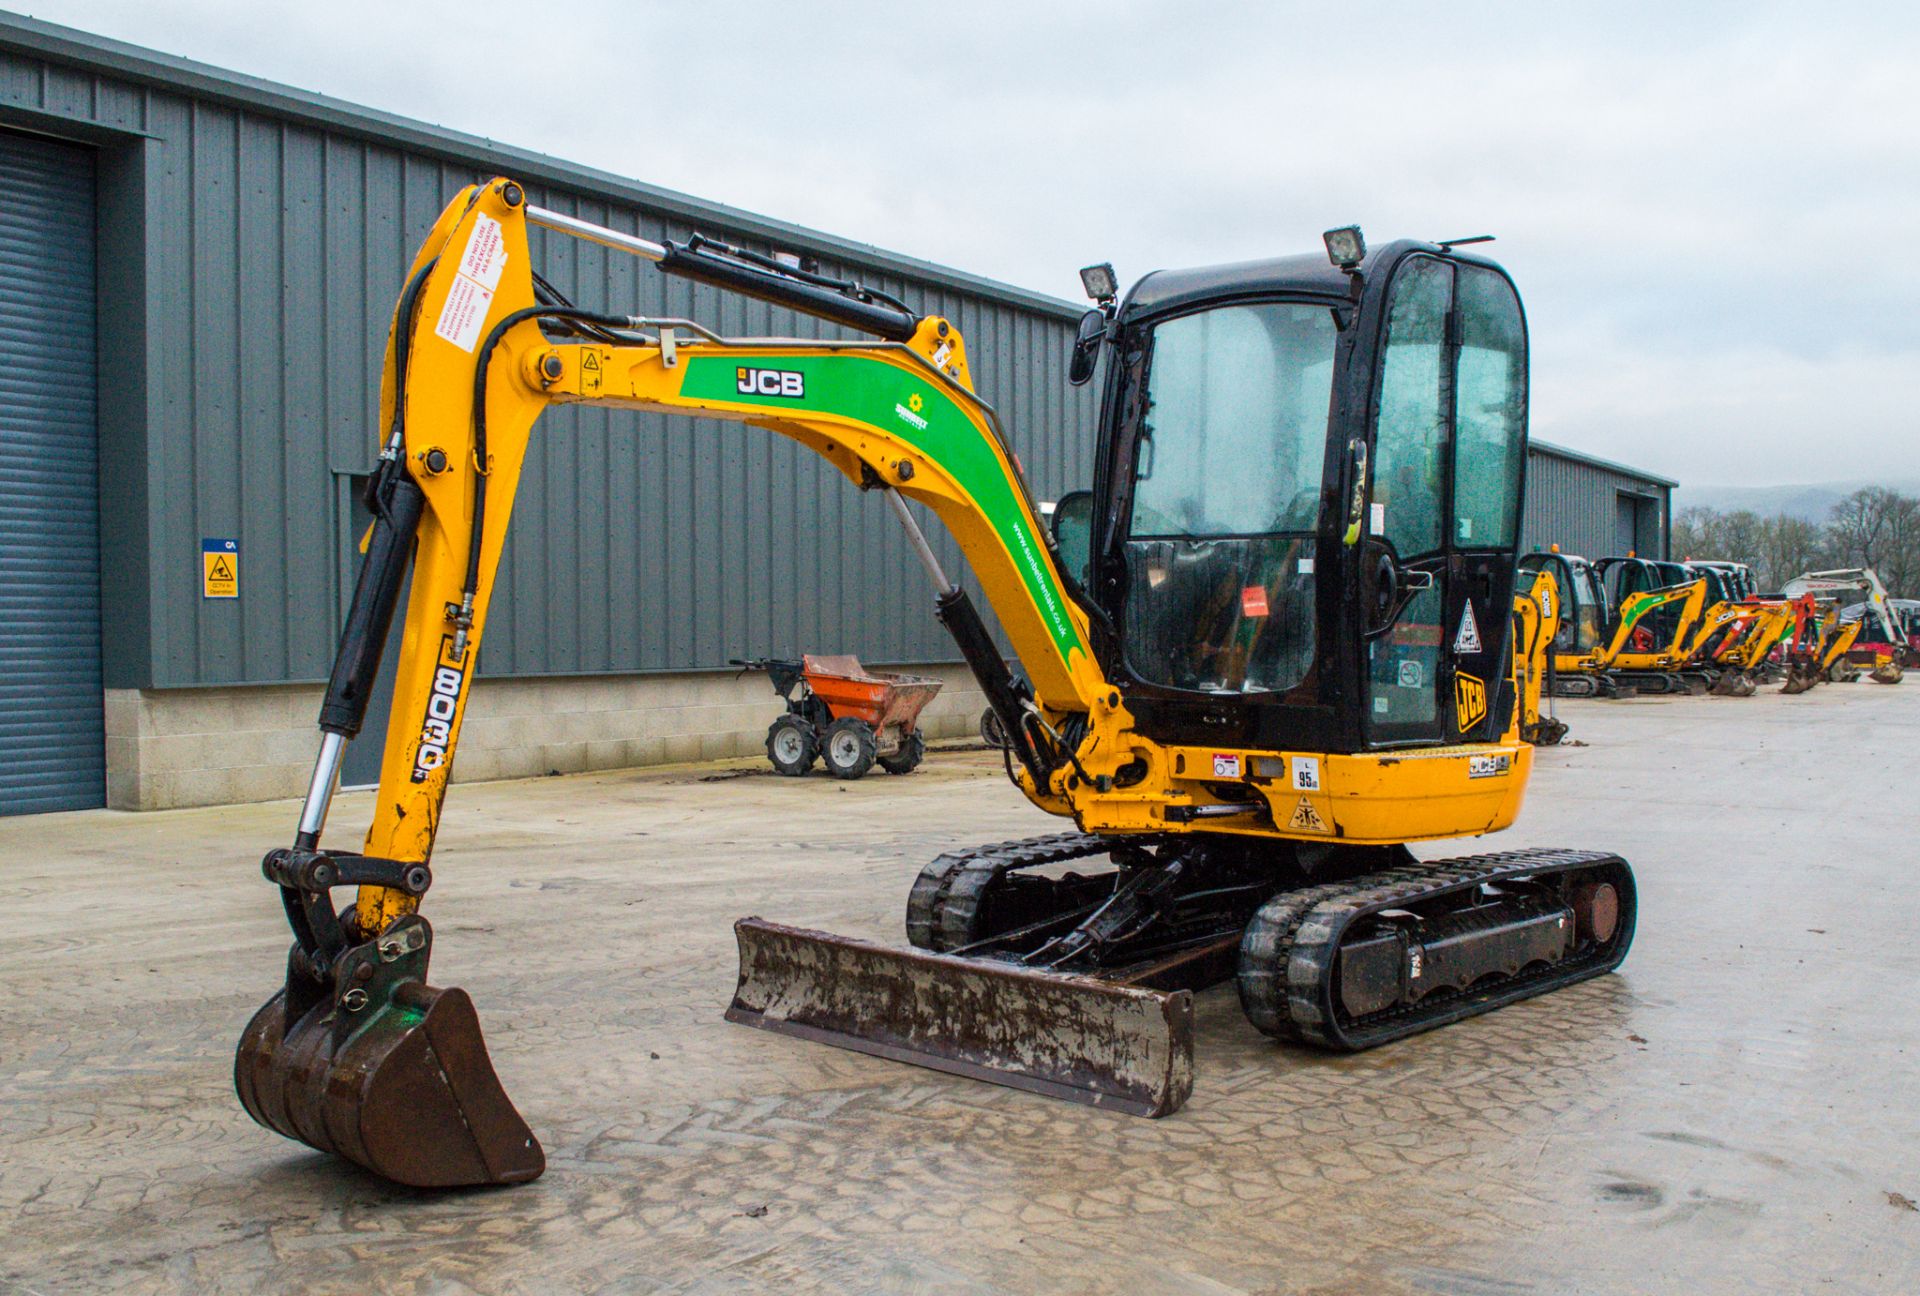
column 390, row 1073
column 1107, row 1045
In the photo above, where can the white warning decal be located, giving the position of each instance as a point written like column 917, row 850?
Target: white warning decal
column 474, row 281
column 1307, row 819
column 1306, row 773
column 1468, row 639
column 486, row 254
column 465, row 313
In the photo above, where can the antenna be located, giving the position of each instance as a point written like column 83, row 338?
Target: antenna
column 1448, row 245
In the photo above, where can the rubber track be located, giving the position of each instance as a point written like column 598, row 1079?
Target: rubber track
column 1287, row 954
column 947, row 894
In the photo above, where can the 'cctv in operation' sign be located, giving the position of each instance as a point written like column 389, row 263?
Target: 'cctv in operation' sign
column 220, row 568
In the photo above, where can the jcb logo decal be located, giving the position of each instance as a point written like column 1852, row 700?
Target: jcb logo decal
column 436, row 728
column 1469, row 701
column 790, row 383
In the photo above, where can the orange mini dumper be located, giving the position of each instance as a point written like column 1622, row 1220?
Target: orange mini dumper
column 840, row 712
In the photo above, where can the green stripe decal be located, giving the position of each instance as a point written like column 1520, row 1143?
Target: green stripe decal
column 919, row 412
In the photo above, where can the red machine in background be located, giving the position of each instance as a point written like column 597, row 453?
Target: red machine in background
column 841, row 713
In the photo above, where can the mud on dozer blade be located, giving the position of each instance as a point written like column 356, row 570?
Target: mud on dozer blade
column 1089, row 1041
column 358, row 1056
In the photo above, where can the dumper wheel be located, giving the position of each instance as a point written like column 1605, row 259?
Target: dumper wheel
column 913, row 750
column 848, row 748
column 791, row 746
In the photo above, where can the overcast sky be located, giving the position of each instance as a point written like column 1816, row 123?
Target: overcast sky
column 1710, row 210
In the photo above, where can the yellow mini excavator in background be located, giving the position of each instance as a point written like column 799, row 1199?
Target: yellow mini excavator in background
column 1271, row 647
column 1593, row 652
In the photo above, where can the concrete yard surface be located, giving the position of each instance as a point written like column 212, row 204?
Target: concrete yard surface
column 1736, row 1111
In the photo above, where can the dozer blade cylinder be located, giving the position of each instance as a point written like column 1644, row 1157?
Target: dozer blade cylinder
column 1088, row 1041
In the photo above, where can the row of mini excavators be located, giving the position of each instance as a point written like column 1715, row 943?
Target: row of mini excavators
column 1634, row 625
column 1281, row 639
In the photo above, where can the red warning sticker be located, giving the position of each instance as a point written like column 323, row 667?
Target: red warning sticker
column 1253, row 601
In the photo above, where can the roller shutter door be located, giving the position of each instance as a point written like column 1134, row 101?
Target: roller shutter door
column 52, row 733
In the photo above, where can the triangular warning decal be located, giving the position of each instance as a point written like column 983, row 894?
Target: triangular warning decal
column 1468, row 639
column 1307, row 819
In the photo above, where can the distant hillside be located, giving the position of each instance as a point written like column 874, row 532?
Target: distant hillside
column 1813, row 503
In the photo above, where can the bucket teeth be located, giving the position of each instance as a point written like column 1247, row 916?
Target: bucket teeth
column 1106, row 1045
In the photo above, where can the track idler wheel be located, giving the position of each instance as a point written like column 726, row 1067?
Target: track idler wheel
column 363, row 1059
column 1596, row 911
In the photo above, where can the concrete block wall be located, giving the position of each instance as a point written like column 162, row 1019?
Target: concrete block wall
column 168, row 748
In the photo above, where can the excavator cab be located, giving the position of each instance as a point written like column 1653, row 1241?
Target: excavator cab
column 1281, row 548
column 1584, row 616
column 1591, row 633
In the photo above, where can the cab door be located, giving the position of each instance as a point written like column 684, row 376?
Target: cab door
column 1449, row 448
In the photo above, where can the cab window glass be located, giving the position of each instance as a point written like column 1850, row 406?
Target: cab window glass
column 1220, row 549
column 1490, row 412
column 1236, row 426
column 1411, row 438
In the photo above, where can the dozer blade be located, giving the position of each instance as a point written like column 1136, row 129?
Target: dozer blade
column 393, row 1076
column 1085, row 1040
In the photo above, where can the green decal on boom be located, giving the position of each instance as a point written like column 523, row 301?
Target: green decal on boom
column 921, row 413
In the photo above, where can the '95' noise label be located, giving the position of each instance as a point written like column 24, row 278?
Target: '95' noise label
column 436, row 729
column 790, row 383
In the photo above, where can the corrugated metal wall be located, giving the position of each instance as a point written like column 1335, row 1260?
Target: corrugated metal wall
column 274, row 252
column 1572, row 503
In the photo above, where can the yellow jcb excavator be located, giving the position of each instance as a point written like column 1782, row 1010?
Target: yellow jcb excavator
column 1271, row 647
column 1668, row 603
column 1594, row 652
column 1742, row 657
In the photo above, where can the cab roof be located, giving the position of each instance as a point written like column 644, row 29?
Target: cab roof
column 1308, row 274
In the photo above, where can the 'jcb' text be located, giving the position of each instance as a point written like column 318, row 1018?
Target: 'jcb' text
column 770, row 382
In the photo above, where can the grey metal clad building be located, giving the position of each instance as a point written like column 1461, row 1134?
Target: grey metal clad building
column 1593, row 506
column 250, row 241
column 196, row 275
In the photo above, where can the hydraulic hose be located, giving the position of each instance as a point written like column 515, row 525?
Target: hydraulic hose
column 469, row 589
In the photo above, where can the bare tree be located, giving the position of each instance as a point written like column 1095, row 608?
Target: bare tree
column 1874, row 527
column 1693, row 532
column 1879, row 528
column 1791, row 545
